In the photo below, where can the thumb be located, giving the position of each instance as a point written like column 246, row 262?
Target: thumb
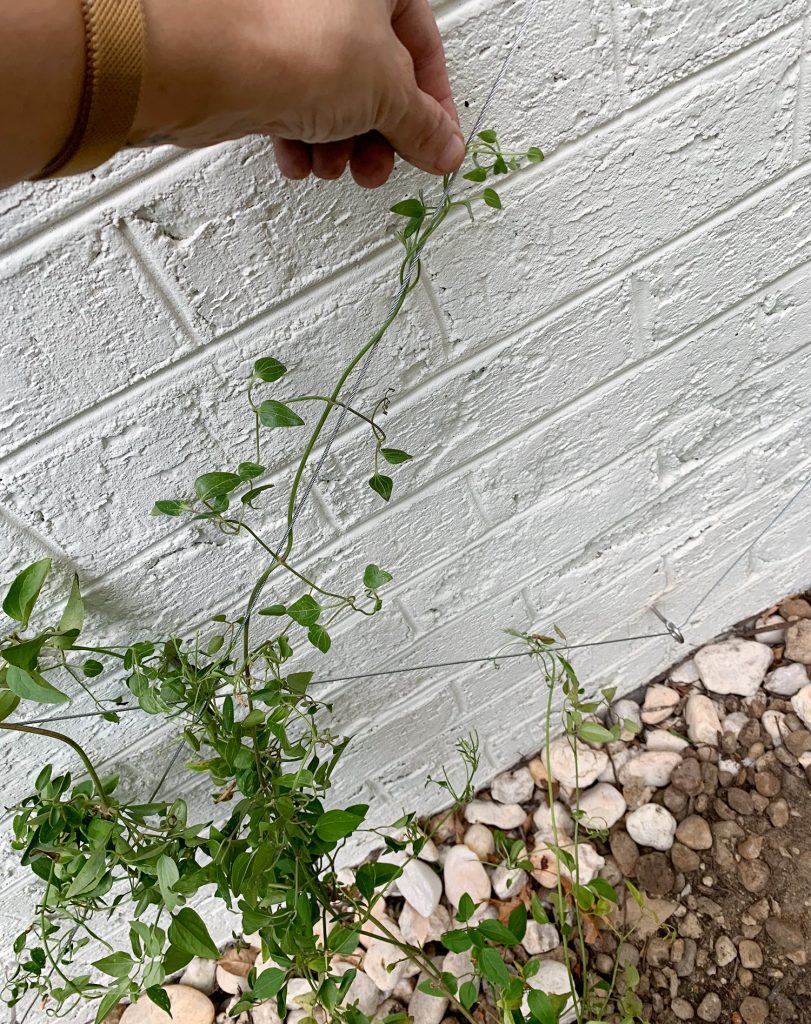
column 425, row 134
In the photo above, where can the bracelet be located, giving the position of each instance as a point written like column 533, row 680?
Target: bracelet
column 115, row 42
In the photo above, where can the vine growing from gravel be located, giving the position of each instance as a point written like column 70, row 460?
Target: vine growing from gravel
column 254, row 729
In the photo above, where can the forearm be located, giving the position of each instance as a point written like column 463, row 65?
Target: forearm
column 42, row 53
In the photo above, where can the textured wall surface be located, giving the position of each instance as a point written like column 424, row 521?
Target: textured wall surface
column 605, row 387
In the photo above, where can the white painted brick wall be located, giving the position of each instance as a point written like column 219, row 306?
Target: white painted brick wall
column 606, row 386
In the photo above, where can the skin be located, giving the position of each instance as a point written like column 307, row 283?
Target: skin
column 335, row 84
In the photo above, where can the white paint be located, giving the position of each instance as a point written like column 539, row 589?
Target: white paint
column 605, row 387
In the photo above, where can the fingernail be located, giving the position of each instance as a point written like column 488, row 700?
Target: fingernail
column 452, row 155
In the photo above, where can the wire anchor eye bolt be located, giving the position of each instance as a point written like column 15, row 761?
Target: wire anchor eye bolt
column 671, row 627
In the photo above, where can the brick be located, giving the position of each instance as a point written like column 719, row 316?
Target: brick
column 664, row 41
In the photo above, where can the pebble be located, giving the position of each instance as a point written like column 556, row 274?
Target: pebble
column 189, row 1006
column 661, row 739
column 767, row 784
column 754, row 874
column 795, row 606
column 754, row 1010
column 507, row 881
column 774, row 722
column 622, row 711
column 200, row 974
column 686, row 672
column 784, row 934
column 725, row 951
column 590, row 762
column 384, row 964
column 778, row 812
column 751, row 847
column 733, row 666
column 735, row 722
column 655, row 875
column 786, row 680
column 540, row 938
column 709, row 1009
column 464, row 873
column 424, row 1008
column 740, row 801
column 480, row 840
column 653, row 768
column 694, row 833
column 514, row 787
column 772, row 637
column 418, row 929
column 801, row 701
column 703, row 724
column 751, row 954
column 420, row 886
column 652, row 825
column 460, row 965
column 625, row 852
column 687, row 777
column 660, row 703
column 542, row 820
column 682, row 1009
column 553, row 978
column 684, row 859
column 488, row 812
column 798, row 642
column 798, row 742
column 602, row 806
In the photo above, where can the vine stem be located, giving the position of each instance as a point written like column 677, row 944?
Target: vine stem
column 62, row 738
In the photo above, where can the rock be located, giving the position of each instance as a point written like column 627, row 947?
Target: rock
column 653, row 768
column 774, row 636
column 754, row 875
column 751, row 954
column 784, row 934
column 725, row 951
column 602, row 805
column 552, row 978
column 774, row 722
column 681, row 1009
column 464, row 873
column 514, row 787
column 619, row 754
column 460, row 965
column 660, row 703
column 767, row 784
column 546, row 864
column 189, row 1006
column 651, row 825
column 661, row 739
column 654, row 874
column 687, row 777
column 386, row 1009
column 709, row 1009
column 480, row 840
column 636, row 793
column 429, row 851
column 735, row 722
column 233, row 968
column 200, row 974
column 694, row 833
column 801, row 702
column 507, row 881
column 424, row 1008
column 751, row 847
column 540, row 938
column 420, row 886
column 384, row 964
column 684, row 859
column 740, row 801
column 590, row 763
column 625, row 852
column 702, row 720
column 798, row 643
column 754, row 1010
column 787, row 680
column 795, row 607
column 799, row 742
column 537, row 769
column 685, row 673
column 542, row 819
column 733, row 666
column 418, row 930
column 262, row 1013
column 778, row 813
column 488, row 812
column 622, row 711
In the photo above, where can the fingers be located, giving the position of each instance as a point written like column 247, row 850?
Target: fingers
column 294, row 158
column 330, row 159
column 417, row 30
column 372, row 160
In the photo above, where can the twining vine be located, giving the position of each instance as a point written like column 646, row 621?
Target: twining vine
column 252, row 727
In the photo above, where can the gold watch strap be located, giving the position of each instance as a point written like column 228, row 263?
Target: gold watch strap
column 115, row 37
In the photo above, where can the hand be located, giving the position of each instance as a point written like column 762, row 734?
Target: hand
column 332, row 81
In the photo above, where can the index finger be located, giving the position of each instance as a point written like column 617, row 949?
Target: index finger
column 416, row 28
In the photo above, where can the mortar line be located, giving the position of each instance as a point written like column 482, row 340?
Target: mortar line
column 799, row 105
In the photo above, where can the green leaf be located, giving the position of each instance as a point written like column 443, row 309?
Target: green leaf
column 478, row 174
column 383, row 485
column 538, row 912
column 409, row 208
column 493, row 967
column 430, row 989
column 374, row 875
column 468, row 994
column 491, row 198
column 24, row 655
column 188, row 933
column 73, row 615
column 269, row 369
column 342, row 939
column 168, row 875
column 277, row 414
column 457, row 940
column 117, row 965
column 305, row 611
column 535, row 155
column 8, row 704
column 496, row 932
column 215, row 485
column 500, row 166
column 517, row 922
column 23, row 593
column 395, row 456
column 319, row 638
column 592, row 732
column 274, row 609
column 374, row 577
column 604, row 889
column 250, row 470
column 92, row 668
column 541, row 1008
column 160, row 998
column 466, row 908
column 33, row 686
column 335, row 825
column 169, row 508
column 269, row 983
column 488, row 136
column 110, row 1000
